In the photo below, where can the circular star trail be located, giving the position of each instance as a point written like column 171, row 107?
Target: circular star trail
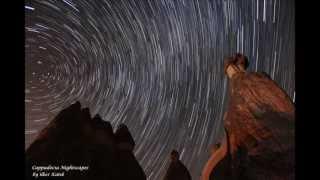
column 155, row 65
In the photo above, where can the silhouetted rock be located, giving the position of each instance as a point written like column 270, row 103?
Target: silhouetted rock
column 125, row 145
column 73, row 138
column 259, row 125
column 176, row 170
column 124, row 140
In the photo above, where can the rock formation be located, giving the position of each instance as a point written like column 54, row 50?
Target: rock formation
column 219, row 153
column 125, row 145
column 259, row 128
column 73, row 138
column 176, row 170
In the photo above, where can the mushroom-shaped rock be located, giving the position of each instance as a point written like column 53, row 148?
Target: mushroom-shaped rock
column 260, row 125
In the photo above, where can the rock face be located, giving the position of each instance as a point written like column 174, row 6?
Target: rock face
column 259, row 125
column 73, row 138
column 217, row 157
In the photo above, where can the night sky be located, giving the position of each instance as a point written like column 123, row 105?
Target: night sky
column 155, row 65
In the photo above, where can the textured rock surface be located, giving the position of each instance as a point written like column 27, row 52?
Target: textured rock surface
column 73, row 138
column 259, row 125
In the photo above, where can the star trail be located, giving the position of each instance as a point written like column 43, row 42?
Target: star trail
column 155, row 65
